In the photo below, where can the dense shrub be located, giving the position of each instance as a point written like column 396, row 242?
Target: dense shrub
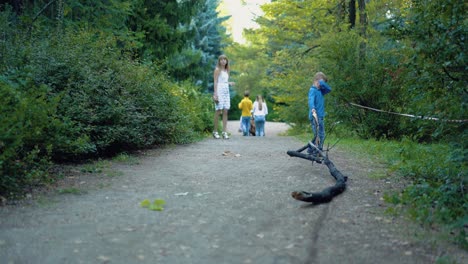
column 437, row 193
column 74, row 95
column 115, row 102
column 25, row 141
column 371, row 78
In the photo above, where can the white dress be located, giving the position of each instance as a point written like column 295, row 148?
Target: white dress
column 224, row 99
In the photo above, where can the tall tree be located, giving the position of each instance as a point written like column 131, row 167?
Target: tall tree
column 291, row 32
column 165, row 25
column 435, row 35
column 198, row 57
column 210, row 39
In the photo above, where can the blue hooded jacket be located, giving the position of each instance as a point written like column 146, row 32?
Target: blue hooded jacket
column 316, row 99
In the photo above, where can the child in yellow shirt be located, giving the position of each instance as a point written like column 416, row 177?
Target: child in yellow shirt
column 246, row 106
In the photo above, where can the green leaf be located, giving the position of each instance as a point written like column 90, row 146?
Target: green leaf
column 159, row 202
column 145, row 203
column 155, row 207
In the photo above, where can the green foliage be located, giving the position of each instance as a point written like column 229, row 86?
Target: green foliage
column 235, row 113
column 126, row 158
column 74, row 191
column 377, row 83
column 115, row 103
column 196, row 110
column 289, row 32
column 437, row 182
column 197, row 59
column 9, row 29
column 432, row 37
column 437, row 194
column 145, row 203
column 157, row 205
column 101, row 167
column 249, row 73
column 446, row 260
column 70, row 94
column 165, row 25
column 407, row 58
column 404, row 52
column 27, row 120
column 95, row 167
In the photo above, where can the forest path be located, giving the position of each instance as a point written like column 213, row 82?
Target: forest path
column 227, row 201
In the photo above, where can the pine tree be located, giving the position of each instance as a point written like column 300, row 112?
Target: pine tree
column 197, row 60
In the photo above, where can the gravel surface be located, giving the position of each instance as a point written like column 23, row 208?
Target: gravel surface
column 227, row 201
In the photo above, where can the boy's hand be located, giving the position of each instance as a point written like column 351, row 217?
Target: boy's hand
column 314, row 114
column 317, row 83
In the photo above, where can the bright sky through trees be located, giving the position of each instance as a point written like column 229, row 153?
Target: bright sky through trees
column 243, row 12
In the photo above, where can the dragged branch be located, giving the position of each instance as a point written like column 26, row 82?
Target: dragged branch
column 328, row 193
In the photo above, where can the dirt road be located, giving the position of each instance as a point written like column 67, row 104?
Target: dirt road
column 227, row 201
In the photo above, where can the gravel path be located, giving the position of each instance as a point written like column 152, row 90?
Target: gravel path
column 227, row 201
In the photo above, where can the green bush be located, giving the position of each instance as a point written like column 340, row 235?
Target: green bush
column 437, row 193
column 114, row 102
column 371, row 78
column 436, row 176
column 74, row 95
column 196, row 108
column 25, row 139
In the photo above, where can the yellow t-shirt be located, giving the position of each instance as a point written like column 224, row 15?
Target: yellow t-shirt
column 246, row 106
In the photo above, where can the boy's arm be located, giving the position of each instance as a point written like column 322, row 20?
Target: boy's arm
column 240, row 105
column 311, row 99
column 312, row 103
column 324, row 87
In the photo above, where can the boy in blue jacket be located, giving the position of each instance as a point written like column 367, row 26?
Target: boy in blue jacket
column 319, row 88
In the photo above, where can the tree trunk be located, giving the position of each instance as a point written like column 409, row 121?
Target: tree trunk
column 17, row 5
column 340, row 13
column 362, row 28
column 352, row 13
column 362, row 17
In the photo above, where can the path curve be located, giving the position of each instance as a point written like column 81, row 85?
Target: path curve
column 227, row 201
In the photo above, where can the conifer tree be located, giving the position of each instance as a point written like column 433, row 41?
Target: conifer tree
column 199, row 56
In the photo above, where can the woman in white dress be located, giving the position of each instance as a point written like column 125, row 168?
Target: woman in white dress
column 221, row 95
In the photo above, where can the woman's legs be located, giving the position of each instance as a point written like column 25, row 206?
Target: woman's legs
column 262, row 128
column 225, row 117
column 215, row 124
column 257, row 128
column 216, row 120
